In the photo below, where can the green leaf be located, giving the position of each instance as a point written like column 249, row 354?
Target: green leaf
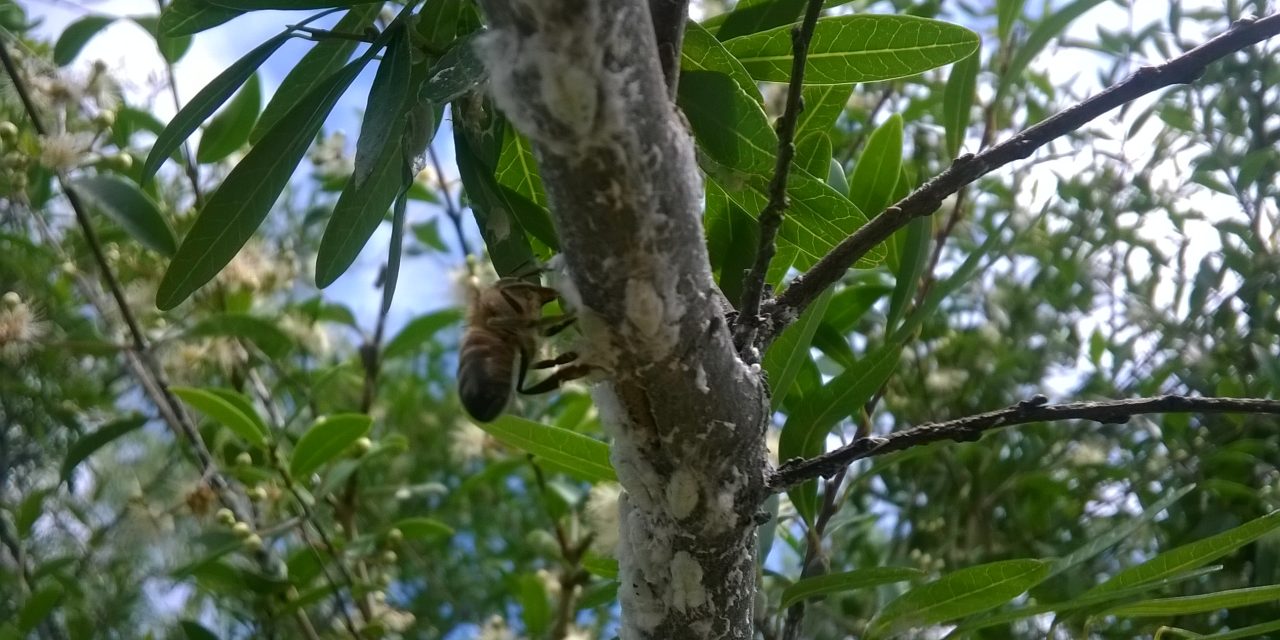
column 274, row 342
column 534, row 606
column 457, row 72
column 957, row 100
column 728, row 125
column 819, row 216
column 702, row 52
column 122, row 201
column 185, row 17
column 601, row 566
column 328, row 437
column 441, row 21
column 847, row 581
column 1250, row 631
column 193, row 630
column 857, row 48
column 383, row 159
column 243, row 404
column 206, row 102
column 38, row 607
column 1048, row 29
column 229, row 129
column 813, row 153
column 806, row 429
column 910, row 267
column 823, row 105
column 317, row 68
column 391, row 275
column 419, row 331
column 1186, row 605
column 1007, row 12
column 583, row 456
column 234, row 212
column 836, row 178
column 90, row 443
column 732, row 239
column 518, row 170
column 172, row 48
column 384, row 112
column 873, row 179
column 423, row 529
column 225, row 412
column 76, row 35
column 286, row 5
column 29, row 511
column 754, row 16
column 1190, row 556
column 509, row 250
column 786, row 355
column 958, row 594
column 1098, row 544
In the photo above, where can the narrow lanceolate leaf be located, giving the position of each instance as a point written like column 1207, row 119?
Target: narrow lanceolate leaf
column 1053, row 24
column 1252, row 631
column 122, row 201
column 420, row 331
column 702, row 52
column 384, row 112
column 234, row 212
column 823, row 104
column 787, row 354
column 423, row 528
column 171, row 48
column 518, row 170
column 806, row 429
column 456, row 73
column 847, row 581
column 206, row 102
column 225, row 412
column 753, row 16
column 286, row 5
column 1187, row 605
column 813, row 154
column 958, row 594
column 857, row 48
column 38, row 607
column 915, row 251
column 873, row 179
column 580, row 455
column 394, row 251
column 229, row 129
column 1098, row 544
column 315, row 68
column 1007, row 12
column 263, row 333
column 185, row 17
column 1190, row 556
column 728, row 125
column 76, row 35
column 90, row 443
column 325, row 440
column 957, row 101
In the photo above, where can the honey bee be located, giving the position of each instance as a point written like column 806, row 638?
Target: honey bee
column 504, row 325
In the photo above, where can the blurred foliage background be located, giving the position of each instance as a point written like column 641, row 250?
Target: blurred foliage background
column 1136, row 257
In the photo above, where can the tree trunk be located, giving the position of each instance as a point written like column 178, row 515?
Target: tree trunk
column 582, row 80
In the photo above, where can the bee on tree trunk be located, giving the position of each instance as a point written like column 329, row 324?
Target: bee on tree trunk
column 504, row 325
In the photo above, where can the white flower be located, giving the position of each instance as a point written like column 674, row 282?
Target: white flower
column 330, row 158
column 63, row 151
column 467, row 441
column 495, row 628
column 311, row 336
column 602, row 516
column 21, row 327
column 257, row 269
column 575, row 633
column 392, row 619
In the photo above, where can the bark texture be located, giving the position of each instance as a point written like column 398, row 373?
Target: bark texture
column 582, row 79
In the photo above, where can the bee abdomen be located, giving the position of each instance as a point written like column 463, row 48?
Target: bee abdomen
column 485, row 375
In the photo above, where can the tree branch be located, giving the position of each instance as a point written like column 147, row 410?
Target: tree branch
column 971, row 428
column 771, row 218
column 968, row 168
column 669, row 17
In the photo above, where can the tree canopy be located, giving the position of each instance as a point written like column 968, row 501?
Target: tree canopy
column 902, row 319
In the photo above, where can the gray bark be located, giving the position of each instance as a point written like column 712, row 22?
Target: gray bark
column 582, row 80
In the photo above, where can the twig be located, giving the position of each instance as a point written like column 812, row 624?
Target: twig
column 771, row 217
column 451, row 209
column 188, row 160
column 968, row 168
column 1036, row 409
column 668, row 18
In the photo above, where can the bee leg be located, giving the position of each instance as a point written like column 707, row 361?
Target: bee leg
column 553, row 381
column 564, row 358
column 560, row 324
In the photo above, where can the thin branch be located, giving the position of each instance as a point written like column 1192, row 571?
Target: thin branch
column 1036, row 409
column 968, row 168
column 451, row 208
column 771, row 217
column 669, row 17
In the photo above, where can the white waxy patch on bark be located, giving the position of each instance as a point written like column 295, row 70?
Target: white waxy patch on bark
column 682, row 494
column 687, row 591
column 654, row 316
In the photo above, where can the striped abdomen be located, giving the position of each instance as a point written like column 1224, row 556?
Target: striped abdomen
column 486, row 372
